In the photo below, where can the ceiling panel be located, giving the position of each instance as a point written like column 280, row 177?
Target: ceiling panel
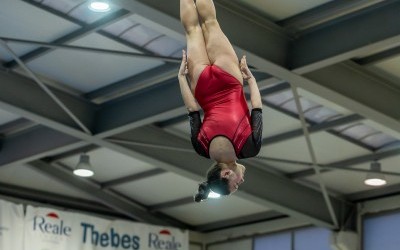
column 286, row 167
column 6, row 117
column 281, row 9
column 328, row 148
column 389, row 69
column 348, row 182
column 215, row 210
column 109, row 165
column 87, row 71
column 159, row 189
column 37, row 25
column 27, row 177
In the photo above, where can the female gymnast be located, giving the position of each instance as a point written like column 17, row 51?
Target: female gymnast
column 227, row 132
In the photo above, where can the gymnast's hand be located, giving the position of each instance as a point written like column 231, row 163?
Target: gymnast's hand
column 246, row 73
column 183, row 70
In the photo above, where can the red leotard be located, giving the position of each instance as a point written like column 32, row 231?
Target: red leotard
column 226, row 113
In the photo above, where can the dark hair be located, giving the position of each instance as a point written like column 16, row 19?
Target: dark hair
column 214, row 182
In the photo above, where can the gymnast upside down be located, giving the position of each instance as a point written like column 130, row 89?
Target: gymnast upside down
column 228, row 132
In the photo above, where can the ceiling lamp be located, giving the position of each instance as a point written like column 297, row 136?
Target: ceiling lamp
column 83, row 169
column 99, row 6
column 375, row 178
column 213, row 195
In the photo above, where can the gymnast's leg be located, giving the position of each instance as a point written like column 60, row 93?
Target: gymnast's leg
column 219, row 49
column 196, row 47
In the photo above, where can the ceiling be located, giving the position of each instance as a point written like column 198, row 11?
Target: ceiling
column 74, row 81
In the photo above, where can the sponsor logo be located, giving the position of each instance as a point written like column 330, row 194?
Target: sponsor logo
column 163, row 240
column 51, row 224
column 110, row 238
column 52, row 228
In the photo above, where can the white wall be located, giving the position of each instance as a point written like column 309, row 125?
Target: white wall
column 195, row 247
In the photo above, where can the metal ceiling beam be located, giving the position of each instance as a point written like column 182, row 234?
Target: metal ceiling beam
column 240, row 221
column 34, row 144
column 17, row 192
column 53, row 45
column 21, row 96
column 370, row 31
column 134, row 83
column 312, row 129
column 109, row 199
column 326, row 167
column 87, row 29
column 16, row 126
column 150, row 105
column 378, row 57
column 282, row 190
column 70, row 153
column 374, row 193
column 323, row 14
column 390, row 152
column 170, row 204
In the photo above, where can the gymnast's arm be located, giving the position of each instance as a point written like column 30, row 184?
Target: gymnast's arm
column 187, row 96
column 195, row 125
column 192, row 107
column 255, row 96
column 252, row 145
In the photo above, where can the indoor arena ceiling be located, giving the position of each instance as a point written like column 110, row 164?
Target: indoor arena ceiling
column 75, row 81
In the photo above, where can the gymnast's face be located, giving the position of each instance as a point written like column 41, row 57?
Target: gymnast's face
column 236, row 177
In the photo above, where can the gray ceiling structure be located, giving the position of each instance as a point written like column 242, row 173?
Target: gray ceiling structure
column 340, row 55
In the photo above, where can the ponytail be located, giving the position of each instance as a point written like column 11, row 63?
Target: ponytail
column 203, row 192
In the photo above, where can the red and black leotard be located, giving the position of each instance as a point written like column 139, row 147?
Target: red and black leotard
column 226, row 113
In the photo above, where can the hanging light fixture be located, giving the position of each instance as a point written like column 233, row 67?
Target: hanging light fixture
column 84, row 169
column 375, row 178
column 99, row 6
column 213, row 195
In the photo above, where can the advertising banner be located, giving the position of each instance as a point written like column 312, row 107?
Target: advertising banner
column 50, row 229
column 11, row 226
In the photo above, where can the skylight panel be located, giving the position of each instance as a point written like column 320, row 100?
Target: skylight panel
column 140, row 35
column 280, row 98
column 120, row 27
column 379, row 140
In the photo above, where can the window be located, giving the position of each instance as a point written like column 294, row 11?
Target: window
column 281, row 241
column 312, row 238
column 382, row 232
